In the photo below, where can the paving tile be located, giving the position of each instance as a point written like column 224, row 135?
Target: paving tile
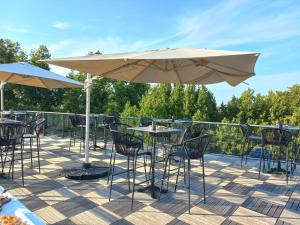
column 74, row 206
column 98, row 215
column 50, row 215
column 200, row 216
column 122, row 206
column 243, row 215
column 145, row 216
column 34, row 203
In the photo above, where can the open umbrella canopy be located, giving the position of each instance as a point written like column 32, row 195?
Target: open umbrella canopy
column 170, row 65
column 27, row 74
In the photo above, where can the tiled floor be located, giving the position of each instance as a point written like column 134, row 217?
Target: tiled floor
column 234, row 195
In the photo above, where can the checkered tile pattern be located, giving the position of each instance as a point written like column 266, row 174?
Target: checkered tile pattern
column 234, row 195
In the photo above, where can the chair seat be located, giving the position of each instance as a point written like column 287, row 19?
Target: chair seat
column 29, row 136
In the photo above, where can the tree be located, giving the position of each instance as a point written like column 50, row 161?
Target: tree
column 130, row 110
column 176, row 101
column 189, row 101
column 156, row 102
column 206, row 106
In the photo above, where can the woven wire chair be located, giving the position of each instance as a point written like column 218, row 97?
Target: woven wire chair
column 77, row 126
column 11, row 136
column 193, row 148
column 276, row 137
column 129, row 146
column 247, row 138
column 38, row 128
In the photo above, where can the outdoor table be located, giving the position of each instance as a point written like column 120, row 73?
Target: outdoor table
column 4, row 121
column 154, row 133
column 15, row 208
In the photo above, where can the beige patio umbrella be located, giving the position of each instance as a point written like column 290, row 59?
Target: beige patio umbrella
column 30, row 75
column 170, row 65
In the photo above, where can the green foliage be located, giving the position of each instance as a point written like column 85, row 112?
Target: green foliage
column 156, row 102
column 189, row 101
column 130, row 110
column 206, row 106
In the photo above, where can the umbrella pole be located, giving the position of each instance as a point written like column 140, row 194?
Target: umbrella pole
column 2, row 95
column 88, row 86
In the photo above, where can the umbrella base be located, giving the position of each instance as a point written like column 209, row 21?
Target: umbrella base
column 87, row 171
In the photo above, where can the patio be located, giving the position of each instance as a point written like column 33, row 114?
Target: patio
column 234, row 195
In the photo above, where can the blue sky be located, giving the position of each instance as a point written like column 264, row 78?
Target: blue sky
column 74, row 27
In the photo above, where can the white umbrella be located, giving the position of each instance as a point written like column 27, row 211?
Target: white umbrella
column 27, row 74
column 171, row 65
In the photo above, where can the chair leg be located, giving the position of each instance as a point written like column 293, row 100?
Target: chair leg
column 22, row 164
column 260, row 158
column 168, row 178
column 112, row 175
column 145, row 169
column 189, row 184
column 184, row 177
column 242, row 155
column 38, row 146
column 71, row 135
column 178, row 171
column 30, row 144
column 203, row 180
column 109, row 171
column 133, row 182
column 128, row 174
column 163, row 178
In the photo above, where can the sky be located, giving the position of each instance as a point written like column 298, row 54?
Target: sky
column 75, row 27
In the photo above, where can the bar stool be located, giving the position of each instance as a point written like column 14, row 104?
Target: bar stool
column 129, row 146
column 192, row 149
column 247, row 139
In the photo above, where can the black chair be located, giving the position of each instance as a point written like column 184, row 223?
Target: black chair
column 77, row 130
column 129, row 146
column 248, row 138
column 193, row 148
column 276, row 137
column 12, row 146
column 38, row 128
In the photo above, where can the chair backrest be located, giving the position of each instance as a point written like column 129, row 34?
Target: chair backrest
column 123, row 143
column 80, row 120
column 39, row 126
column 196, row 129
column 196, row 147
column 246, row 130
column 186, row 134
column 73, row 120
column 116, row 126
column 276, row 136
column 77, row 120
column 11, row 134
column 107, row 120
column 145, row 121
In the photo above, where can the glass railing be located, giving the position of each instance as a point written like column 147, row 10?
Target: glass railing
column 227, row 137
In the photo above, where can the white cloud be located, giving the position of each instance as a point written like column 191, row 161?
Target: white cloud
column 61, row 25
column 61, row 46
column 236, row 22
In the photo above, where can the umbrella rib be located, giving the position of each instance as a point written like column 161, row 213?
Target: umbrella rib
column 228, row 67
column 42, row 82
column 175, row 70
column 120, row 67
column 143, row 70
